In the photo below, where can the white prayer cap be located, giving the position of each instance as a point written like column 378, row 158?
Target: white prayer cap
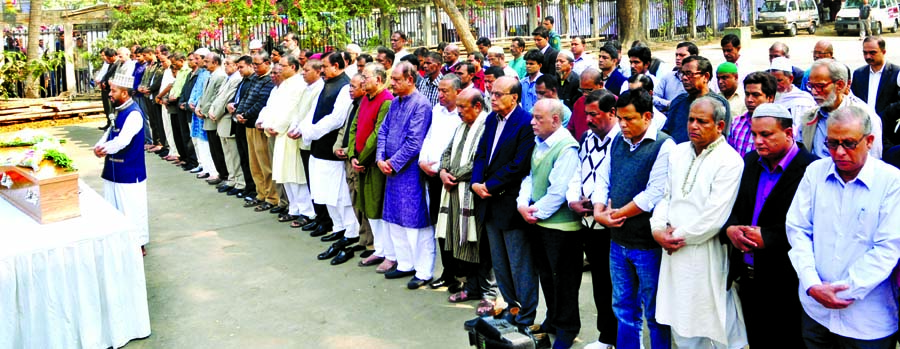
column 354, row 49
column 122, row 80
column 568, row 54
column 781, row 64
column 203, row 51
column 495, row 50
column 255, row 44
column 772, row 110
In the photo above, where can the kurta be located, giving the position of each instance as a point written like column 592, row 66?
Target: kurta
column 692, row 281
column 370, row 194
column 291, row 102
column 400, row 141
column 456, row 220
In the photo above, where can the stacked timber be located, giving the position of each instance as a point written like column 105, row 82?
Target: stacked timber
column 19, row 110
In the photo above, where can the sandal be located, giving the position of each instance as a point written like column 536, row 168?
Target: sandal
column 459, row 297
column 485, row 307
column 287, row 218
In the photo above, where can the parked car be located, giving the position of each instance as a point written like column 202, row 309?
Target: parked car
column 788, row 16
column 884, row 15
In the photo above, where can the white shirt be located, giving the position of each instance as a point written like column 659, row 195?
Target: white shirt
column 330, row 122
column 439, row 135
column 874, row 80
column 647, row 199
column 508, row 71
column 846, row 233
column 797, row 102
column 316, row 88
column 264, row 112
column 501, row 123
column 400, row 54
column 583, row 62
column 658, row 121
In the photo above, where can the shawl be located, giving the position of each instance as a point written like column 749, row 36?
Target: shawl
column 462, row 153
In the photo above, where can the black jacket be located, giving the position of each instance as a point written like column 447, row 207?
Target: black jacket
column 888, row 96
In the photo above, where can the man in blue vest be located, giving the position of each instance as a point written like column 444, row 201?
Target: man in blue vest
column 124, row 171
column 628, row 186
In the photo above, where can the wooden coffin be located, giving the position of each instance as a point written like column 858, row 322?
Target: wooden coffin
column 47, row 195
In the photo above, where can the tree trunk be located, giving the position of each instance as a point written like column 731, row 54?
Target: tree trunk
column 563, row 20
column 34, row 35
column 630, row 24
column 460, row 22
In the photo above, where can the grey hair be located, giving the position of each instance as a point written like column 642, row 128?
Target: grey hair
column 837, row 70
column 263, row 55
column 377, row 70
column 851, row 113
column 556, row 106
column 407, row 69
column 718, row 111
column 454, row 79
column 784, row 48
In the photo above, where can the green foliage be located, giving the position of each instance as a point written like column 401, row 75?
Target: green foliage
column 326, row 20
column 60, row 159
column 15, row 68
column 174, row 23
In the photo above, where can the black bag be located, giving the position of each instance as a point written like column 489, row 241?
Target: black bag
column 490, row 333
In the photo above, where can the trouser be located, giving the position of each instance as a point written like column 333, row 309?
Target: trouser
column 596, row 247
column 181, row 136
column 82, row 80
column 452, row 268
column 283, row 200
column 204, row 157
column 517, row 278
column 167, row 121
column 865, row 28
column 479, row 276
column 235, row 176
column 301, row 201
column 216, row 153
column 557, row 256
column 384, row 246
column 635, row 279
column 365, row 230
column 414, row 248
column 145, row 113
column 759, row 301
column 261, row 166
column 107, row 106
column 336, row 199
column 155, row 119
column 816, row 336
column 240, row 138
column 322, row 216
column 734, row 329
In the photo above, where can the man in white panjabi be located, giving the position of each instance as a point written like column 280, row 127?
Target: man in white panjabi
column 704, row 175
column 124, row 170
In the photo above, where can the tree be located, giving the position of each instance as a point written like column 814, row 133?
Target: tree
column 35, row 18
column 631, row 24
column 153, row 22
column 460, row 22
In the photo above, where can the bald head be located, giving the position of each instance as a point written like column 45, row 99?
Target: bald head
column 505, row 95
column 823, row 49
column 591, row 79
column 470, row 104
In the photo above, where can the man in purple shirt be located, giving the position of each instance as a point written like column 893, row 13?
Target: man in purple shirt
column 755, row 230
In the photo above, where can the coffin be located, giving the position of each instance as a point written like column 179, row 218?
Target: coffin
column 47, row 195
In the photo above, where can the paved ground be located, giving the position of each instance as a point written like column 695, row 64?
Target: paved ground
column 219, row 275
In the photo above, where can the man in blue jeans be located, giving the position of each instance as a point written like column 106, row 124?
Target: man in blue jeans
column 627, row 188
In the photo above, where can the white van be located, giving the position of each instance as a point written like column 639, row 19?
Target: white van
column 885, row 15
column 787, row 16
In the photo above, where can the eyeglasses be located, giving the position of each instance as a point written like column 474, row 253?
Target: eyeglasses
column 585, row 91
column 496, row 94
column 833, row 144
column 689, row 74
column 818, row 87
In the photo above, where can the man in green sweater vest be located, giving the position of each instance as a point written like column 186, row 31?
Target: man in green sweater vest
column 542, row 203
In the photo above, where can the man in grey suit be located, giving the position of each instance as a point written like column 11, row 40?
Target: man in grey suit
column 234, row 183
column 216, row 79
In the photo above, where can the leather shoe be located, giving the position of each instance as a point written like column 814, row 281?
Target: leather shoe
column 331, row 252
column 366, row 253
column 234, row 191
column 342, row 257
column 225, row 188
column 313, row 225
column 441, row 282
column 335, row 236
column 346, row 242
column 214, row 181
column 245, row 194
column 320, row 230
column 415, row 283
column 251, row 203
column 264, row 207
column 203, row 176
column 396, row 274
column 278, row 209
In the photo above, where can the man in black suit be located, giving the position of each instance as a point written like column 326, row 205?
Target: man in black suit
column 541, row 40
column 755, row 230
column 885, row 98
column 502, row 161
column 109, row 55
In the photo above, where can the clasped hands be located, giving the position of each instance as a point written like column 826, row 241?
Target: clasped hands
column 745, row 237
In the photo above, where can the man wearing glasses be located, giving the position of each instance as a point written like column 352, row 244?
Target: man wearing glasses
column 696, row 71
column 845, row 267
column 828, row 80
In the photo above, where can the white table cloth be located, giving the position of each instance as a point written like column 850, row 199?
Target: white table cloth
column 78, row 283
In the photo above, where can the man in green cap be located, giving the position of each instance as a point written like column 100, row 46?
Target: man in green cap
column 727, row 78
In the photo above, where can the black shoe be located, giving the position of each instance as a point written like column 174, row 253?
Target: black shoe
column 203, row 176
column 441, row 282
column 342, row 257
column 366, row 254
column 214, row 181
column 335, row 236
column 224, row 188
column 196, row 169
column 455, row 287
column 245, row 194
column 346, row 242
column 331, row 252
column 234, row 191
column 415, row 283
column 320, row 230
column 103, row 128
column 265, row 206
column 312, row 225
column 278, row 209
column 396, row 274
